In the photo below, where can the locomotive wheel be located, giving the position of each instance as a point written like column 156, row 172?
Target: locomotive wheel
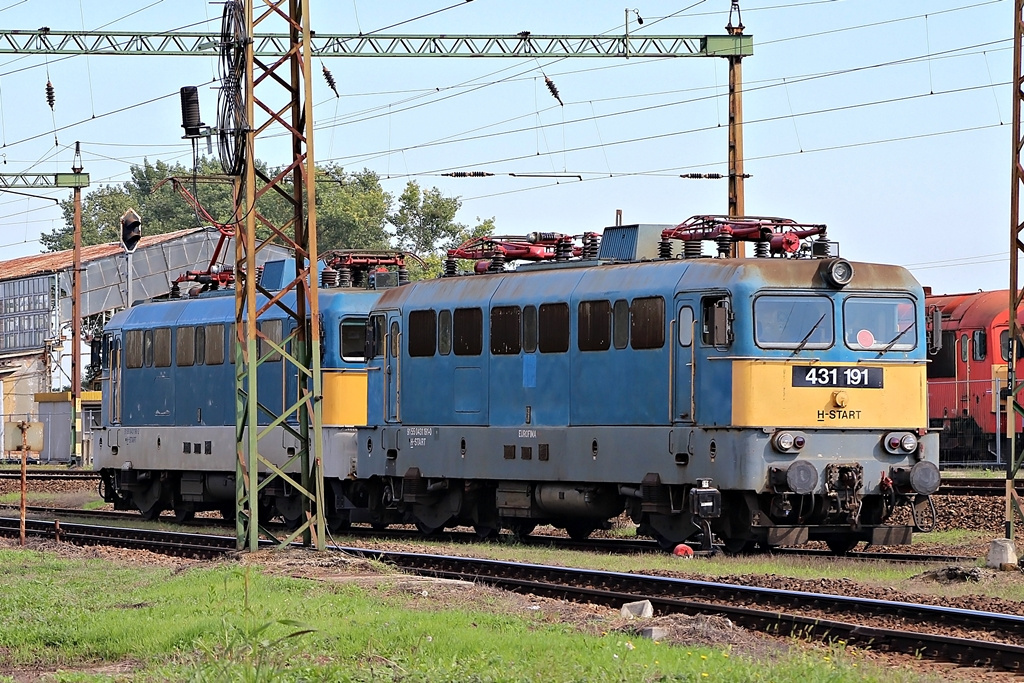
column 183, row 514
column 522, row 529
column 738, row 546
column 228, row 513
column 152, row 512
column 338, row 522
column 427, row 529
column 841, row 545
column 378, row 526
column 580, row 531
column 485, row 532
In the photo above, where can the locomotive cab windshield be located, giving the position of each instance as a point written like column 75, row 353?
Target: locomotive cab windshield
column 879, row 324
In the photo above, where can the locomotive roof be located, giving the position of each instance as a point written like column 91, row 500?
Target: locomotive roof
column 537, row 283
column 975, row 309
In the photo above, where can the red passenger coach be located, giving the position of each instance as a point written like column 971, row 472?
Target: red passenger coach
column 966, row 374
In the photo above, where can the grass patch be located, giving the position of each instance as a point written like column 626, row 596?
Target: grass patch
column 233, row 623
column 976, row 473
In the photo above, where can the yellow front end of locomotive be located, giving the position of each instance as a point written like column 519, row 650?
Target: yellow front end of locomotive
column 812, row 395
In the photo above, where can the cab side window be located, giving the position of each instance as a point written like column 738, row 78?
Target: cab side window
column 716, row 321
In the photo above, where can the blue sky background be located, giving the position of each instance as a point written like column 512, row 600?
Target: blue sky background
column 888, row 121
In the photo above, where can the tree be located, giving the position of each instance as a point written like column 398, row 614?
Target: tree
column 162, row 210
column 351, row 210
column 425, row 220
column 433, row 263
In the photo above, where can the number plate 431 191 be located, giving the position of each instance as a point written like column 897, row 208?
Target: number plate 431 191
column 832, row 376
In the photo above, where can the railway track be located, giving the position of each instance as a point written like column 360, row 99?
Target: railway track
column 751, row 607
column 62, row 474
column 604, row 545
column 976, row 486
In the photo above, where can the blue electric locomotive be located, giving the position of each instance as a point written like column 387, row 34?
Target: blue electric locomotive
column 764, row 400
column 167, row 439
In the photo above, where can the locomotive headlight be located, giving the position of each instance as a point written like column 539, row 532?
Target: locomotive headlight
column 909, row 443
column 838, row 272
column 787, row 442
column 900, row 443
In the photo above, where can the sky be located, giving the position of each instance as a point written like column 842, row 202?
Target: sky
column 890, row 122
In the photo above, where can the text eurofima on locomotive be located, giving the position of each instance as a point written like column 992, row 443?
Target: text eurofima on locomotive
column 774, row 399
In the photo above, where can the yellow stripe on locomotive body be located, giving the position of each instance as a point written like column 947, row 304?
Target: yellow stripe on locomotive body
column 782, row 393
column 344, row 397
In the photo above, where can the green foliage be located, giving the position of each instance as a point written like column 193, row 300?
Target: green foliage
column 425, row 220
column 433, row 262
column 77, row 617
column 353, row 209
column 247, row 648
column 162, row 209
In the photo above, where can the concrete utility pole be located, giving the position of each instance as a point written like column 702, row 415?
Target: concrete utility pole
column 1014, row 411
column 76, row 319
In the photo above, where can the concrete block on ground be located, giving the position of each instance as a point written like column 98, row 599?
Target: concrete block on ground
column 1001, row 551
column 654, row 632
column 641, row 609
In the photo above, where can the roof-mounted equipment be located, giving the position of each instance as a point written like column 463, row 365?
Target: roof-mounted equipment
column 772, row 236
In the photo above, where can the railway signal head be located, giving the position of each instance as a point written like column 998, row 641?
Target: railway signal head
column 131, row 230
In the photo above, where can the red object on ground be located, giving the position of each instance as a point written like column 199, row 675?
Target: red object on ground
column 683, row 550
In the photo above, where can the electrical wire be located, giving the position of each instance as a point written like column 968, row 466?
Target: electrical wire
column 369, row 156
column 422, row 16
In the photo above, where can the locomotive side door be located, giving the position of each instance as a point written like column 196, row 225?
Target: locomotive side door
column 393, row 366
column 683, row 366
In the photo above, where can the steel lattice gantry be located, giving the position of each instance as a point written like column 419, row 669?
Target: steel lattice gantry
column 47, row 41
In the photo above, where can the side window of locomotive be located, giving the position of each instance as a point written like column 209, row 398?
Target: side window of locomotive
column 594, row 326
column 647, row 323
column 1004, row 347
column 553, row 328
column 979, row 340
column 162, row 347
column 147, row 348
column 272, row 332
column 352, row 335
column 215, row 344
column 620, row 324
column 791, row 322
column 422, row 333
column 943, row 363
column 444, row 332
column 108, row 347
column 963, row 347
column 200, row 352
column 468, row 332
column 375, row 337
column 880, row 323
column 716, row 321
column 685, row 326
column 133, row 348
column 394, row 340
column 529, row 329
column 506, row 330
column 186, row 346
column 232, row 343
